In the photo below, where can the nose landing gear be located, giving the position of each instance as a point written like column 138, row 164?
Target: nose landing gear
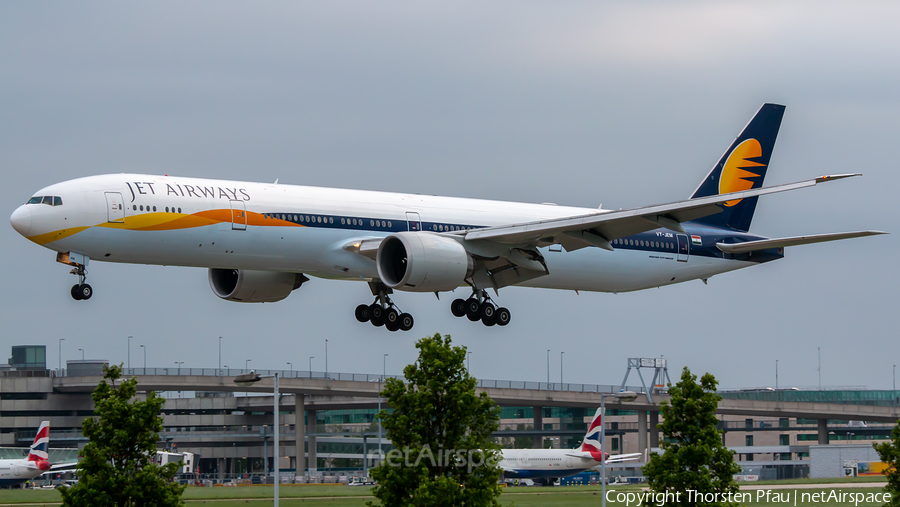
column 479, row 306
column 81, row 290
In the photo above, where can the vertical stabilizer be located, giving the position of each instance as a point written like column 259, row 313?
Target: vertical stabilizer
column 41, row 443
column 591, row 442
column 742, row 167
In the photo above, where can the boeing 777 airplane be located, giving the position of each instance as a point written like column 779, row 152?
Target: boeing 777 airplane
column 260, row 241
column 546, row 465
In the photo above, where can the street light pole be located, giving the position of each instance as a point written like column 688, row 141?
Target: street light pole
column 380, row 380
column 468, row 362
column 292, row 367
column 82, row 354
column 145, row 359
column 220, row 356
column 548, row 369
column 247, row 365
column 561, row 369
column 129, row 351
column 179, row 363
column 310, row 365
column 326, row 359
column 248, row 379
column 277, row 424
column 60, row 354
column 777, row 393
column 624, row 396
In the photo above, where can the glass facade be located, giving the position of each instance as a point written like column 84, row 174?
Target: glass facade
column 29, row 357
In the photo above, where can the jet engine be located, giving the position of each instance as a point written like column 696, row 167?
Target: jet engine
column 246, row 286
column 422, row 262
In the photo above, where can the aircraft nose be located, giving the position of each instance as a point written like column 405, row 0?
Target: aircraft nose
column 21, row 220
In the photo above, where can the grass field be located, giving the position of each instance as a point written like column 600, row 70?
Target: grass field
column 344, row 496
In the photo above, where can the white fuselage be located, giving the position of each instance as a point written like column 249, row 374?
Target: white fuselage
column 17, row 471
column 162, row 220
column 543, row 463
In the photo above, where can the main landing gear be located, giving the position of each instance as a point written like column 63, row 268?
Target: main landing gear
column 81, row 290
column 480, row 307
column 383, row 312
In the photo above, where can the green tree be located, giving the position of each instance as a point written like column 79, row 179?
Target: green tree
column 694, row 456
column 118, row 466
column 889, row 452
column 443, row 453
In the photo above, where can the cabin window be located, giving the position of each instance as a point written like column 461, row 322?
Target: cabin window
column 154, row 208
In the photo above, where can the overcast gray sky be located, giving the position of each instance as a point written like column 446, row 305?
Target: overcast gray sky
column 577, row 103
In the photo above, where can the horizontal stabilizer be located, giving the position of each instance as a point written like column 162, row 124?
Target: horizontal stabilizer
column 618, row 458
column 750, row 246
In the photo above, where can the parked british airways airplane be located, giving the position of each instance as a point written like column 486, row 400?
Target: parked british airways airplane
column 259, row 240
column 546, row 465
column 17, row 471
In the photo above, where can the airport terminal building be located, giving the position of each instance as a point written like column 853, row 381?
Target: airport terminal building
column 328, row 420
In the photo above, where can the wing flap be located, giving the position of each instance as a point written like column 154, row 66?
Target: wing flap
column 750, row 246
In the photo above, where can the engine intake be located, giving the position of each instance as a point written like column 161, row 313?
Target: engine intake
column 422, row 262
column 247, row 286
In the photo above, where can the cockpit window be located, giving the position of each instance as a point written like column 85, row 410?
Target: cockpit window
column 49, row 200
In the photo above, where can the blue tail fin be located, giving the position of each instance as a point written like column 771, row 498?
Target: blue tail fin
column 742, row 167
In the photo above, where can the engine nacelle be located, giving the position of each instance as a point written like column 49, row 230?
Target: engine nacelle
column 422, row 262
column 247, row 286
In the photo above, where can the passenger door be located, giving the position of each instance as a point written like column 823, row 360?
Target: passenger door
column 412, row 218
column 684, row 247
column 238, row 216
column 115, row 207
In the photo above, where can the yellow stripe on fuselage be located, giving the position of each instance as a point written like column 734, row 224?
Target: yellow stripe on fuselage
column 166, row 222
column 43, row 239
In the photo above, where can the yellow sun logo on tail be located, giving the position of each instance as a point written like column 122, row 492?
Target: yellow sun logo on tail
column 735, row 174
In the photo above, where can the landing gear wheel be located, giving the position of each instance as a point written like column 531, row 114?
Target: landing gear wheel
column 489, row 321
column 392, row 325
column 473, row 309
column 458, row 307
column 406, row 322
column 391, row 317
column 501, row 316
column 85, row 291
column 75, row 292
column 362, row 313
column 376, row 315
column 487, row 311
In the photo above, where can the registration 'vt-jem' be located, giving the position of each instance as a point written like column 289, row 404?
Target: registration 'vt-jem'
column 261, row 241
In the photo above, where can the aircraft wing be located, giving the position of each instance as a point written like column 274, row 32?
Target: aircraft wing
column 750, row 246
column 598, row 229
